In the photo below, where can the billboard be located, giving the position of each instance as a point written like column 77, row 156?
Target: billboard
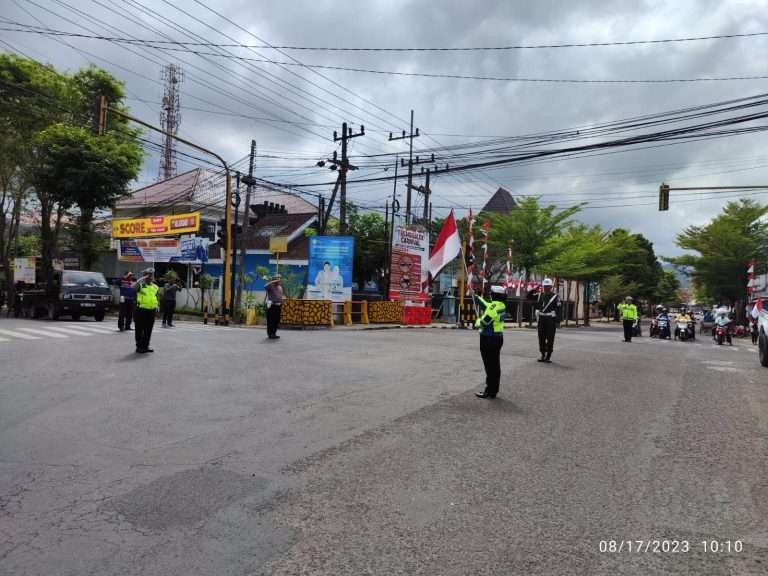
column 330, row 268
column 409, row 272
column 156, row 226
column 150, row 250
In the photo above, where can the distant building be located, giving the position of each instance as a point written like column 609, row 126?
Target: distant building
column 501, row 202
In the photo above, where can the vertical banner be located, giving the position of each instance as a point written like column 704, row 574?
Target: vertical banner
column 409, row 275
column 24, row 270
column 330, row 268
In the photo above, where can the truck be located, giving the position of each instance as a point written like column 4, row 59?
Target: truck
column 72, row 293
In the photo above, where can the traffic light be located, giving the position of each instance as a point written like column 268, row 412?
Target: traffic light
column 663, row 197
column 99, row 120
column 221, row 228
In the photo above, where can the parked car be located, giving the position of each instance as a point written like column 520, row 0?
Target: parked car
column 73, row 293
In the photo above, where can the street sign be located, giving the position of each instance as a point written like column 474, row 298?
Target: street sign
column 278, row 244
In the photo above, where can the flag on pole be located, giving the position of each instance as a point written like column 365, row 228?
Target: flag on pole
column 508, row 270
column 750, row 276
column 447, row 246
column 484, row 272
column 470, row 253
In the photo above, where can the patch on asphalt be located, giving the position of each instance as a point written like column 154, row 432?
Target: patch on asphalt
column 184, row 498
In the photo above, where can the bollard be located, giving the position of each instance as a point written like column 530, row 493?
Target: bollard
column 216, row 316
column 364, row 312
column 205, row 313
column 348, row 313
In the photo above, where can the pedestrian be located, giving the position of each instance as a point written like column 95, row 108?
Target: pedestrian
column 547, row 309
column 127, row 302
column 490, row 324
column 629, row 317
column 754, row 330
column 169, row 301
column 273, row 303
column 146, row 306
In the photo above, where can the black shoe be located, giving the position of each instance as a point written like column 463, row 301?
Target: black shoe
column 547, row 361
column 274, row 337
column 140, row 351
column 171, row 325
column 129, row 329
column 148, row 350
column 485, row 395
column 541, row 359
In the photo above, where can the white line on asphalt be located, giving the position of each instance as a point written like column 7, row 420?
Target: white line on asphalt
column 99, row 329
column 72, row 331
column 43, row 333
column 4, row 340
column 19, row 335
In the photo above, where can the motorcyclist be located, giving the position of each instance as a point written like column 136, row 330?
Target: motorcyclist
column 654, row 323
column 662, row 323
column 683, row 318
column 723, row 320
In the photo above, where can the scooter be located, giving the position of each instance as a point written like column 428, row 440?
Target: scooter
column 722, row 334
column 663, row 329
column 682, row 331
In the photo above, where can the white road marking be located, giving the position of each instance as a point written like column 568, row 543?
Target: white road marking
column 92, row 328
column 43, row 333
column 72, row 332
column 19, row 335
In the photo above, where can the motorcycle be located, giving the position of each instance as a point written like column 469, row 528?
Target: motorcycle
column 722, row 334
column 683, row 331
column 663, row 329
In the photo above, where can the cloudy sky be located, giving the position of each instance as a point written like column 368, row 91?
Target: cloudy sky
column 291, row 111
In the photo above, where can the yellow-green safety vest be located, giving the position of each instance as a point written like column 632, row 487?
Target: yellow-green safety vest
column 146, row 296
column 493, row 316
column 628, row 311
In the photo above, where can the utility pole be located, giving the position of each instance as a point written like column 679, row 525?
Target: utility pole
column 346, row 134
column 249, row 181
column 236, row 206
column 410, row 136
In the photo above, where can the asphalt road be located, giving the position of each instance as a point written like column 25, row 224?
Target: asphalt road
column 348, row 452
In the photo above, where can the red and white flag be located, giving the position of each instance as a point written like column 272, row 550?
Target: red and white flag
column 508, row 270
column 470, row 253
column 447, row 246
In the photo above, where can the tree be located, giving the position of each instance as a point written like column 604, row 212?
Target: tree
column 640, row 265
column 368, row 229
column 613, row 289
column 724, row 246
column 533, row 229
column 667, row 287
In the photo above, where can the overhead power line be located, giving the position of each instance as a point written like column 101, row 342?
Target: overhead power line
column 452, row 48
column 162, row 46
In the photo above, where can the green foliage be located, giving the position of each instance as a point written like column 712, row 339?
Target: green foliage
column 534, row 231
column 309, row 232
column 205, row 282
column 369, row 231
column 29, row 245
column 614, row 288
column 667, row 288
column 723, row 247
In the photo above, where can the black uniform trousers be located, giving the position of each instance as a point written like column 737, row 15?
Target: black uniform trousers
column 629, row 326
column 490, row 350
column 273, row 319
column 144, row 320
column 169, row 307
column 125, row 315
column 547, row 325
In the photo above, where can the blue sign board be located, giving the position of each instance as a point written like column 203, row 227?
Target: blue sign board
column 330, row 268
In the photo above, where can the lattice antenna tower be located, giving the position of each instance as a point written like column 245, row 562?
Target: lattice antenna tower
column 170, row 118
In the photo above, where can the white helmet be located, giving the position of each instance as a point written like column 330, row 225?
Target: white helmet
column 547, row 282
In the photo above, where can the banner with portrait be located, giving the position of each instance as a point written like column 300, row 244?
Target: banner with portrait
column 331, row 259
column 409, row 273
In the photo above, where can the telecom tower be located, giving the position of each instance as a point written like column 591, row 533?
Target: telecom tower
column 170, row 118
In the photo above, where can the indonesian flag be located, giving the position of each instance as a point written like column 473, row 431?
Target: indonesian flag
column 447, row 246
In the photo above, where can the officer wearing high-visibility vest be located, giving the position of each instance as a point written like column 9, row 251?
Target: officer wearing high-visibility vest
column 547, row 309
column 490, row 324
column 146, row 306
column 629, row 317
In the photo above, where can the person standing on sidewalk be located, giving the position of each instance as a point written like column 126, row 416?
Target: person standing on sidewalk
column 146, row 306
column 490, row 324
column 127, row 302
column 273, row 303
column 547, row 309
column 169, row 301
column 629, row 317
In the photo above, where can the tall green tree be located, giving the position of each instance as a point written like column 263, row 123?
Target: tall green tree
column 667, row 288
column 533, row 229
column 722, row 249
column 368, row 229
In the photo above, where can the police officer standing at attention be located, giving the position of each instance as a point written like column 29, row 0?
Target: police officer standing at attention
column 146, row 306
column 127, row 302
column 629, row 317
column 547, row 309
column 490, row 324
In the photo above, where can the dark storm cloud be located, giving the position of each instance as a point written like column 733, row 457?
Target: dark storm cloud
column 452, row 106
